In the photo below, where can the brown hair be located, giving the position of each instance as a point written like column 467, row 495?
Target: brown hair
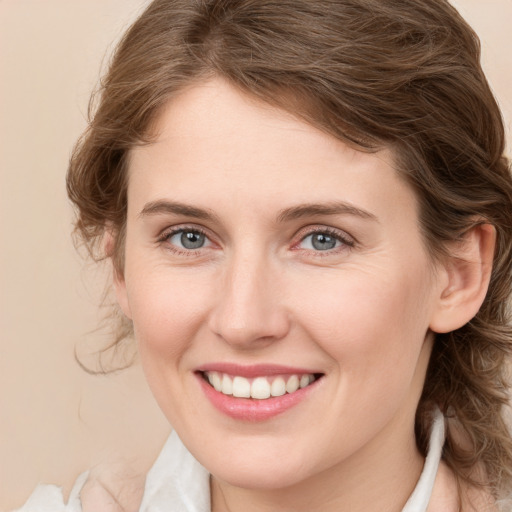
column 374, row 73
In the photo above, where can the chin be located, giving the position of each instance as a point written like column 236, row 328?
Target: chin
column 260, row 468
column 262, row 478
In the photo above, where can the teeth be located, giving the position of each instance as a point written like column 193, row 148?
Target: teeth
column 241, row 387
column 227, row 385
column 259, row 388
column 304, row 381
column 278, row 387
column 293, row 384
column 217, row 382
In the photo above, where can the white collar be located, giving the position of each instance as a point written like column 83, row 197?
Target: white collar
column 178, row 483
column 418, row 501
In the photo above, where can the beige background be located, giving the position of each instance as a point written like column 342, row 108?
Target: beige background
column 55, row 420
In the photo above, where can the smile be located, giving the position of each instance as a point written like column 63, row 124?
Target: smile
column 259, row 388
column 256, row 393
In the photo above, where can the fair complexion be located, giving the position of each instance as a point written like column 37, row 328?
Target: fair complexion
column 255, row 239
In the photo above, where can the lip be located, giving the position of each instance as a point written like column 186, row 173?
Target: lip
column 250, row 409
column 255, row 370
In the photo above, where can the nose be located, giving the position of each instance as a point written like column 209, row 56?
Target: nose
column 249, row 310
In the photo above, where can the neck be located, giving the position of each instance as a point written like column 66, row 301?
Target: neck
column 383, row 473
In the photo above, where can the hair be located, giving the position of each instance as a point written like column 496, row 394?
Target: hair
column 373, row 73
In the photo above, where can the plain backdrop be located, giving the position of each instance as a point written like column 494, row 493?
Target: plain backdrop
column 56, row 420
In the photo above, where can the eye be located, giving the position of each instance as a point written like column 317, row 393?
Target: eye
column 320, row 242
column 188, row 239
column 324, row 240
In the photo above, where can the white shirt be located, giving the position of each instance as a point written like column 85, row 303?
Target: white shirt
column 178, row 483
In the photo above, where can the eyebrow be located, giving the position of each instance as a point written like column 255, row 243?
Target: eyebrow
column 171, row 207
column 331, row 208
column 293, row 213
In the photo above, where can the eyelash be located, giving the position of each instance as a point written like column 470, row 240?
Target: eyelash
column 165, row 237
column 347, row 242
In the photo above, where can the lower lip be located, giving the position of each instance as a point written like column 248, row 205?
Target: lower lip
column 252, row 409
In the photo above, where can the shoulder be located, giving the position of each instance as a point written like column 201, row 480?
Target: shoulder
column 49, row 498
column 106, row 488
column 112, row 488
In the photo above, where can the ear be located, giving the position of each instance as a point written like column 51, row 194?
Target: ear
column 117, row 274
column 465, row 279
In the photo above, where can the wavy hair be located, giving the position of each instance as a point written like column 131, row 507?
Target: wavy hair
column 374, row 73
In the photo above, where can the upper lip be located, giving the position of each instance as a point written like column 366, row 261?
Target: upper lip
column 254, row 370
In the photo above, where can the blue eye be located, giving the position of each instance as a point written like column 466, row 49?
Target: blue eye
column 320, row 242
column 324, row 241
column 189, row 239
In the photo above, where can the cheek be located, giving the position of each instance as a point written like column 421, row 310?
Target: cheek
column 167, row 310
column 372, row 324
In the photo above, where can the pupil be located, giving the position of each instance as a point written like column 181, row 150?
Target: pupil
column 192, row 239
column 323, row 242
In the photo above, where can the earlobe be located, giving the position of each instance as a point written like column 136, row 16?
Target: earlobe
column 466, row 276
column 121, row 293
column 117, row 275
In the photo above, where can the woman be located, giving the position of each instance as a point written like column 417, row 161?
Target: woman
column 308, row 213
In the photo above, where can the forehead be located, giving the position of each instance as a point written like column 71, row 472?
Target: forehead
column 215, row 143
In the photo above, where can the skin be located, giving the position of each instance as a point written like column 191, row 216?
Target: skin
column 258, row 291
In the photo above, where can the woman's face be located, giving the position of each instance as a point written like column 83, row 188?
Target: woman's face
column 263, row 254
